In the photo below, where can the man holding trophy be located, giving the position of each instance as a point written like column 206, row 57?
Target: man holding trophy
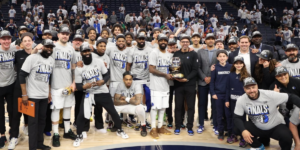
column 184, row 82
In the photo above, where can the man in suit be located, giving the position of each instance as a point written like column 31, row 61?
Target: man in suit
column 207, row 57
column 250, row 59
column 258, row 46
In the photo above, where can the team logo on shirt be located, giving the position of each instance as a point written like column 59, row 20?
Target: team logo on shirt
column 119, row 60
column 63, row 59
column 141, row 61
column 7, row 60
column 295, row 73
column 259, row 113
column 43, row 73
column 127, row 93
column 91, row 75
column 163, row 65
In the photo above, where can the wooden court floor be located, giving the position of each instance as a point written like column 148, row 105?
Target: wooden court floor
column 95, row 139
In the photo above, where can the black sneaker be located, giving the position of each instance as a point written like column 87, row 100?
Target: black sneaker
column 221, row 137
column 132, row 119
column 55, row 140
column 144, row 131
column 44, row 147
column 182, row 126
column 137, row 127
column 70, row 135
column 170, row 126
column 3, row 140
column 148, row 126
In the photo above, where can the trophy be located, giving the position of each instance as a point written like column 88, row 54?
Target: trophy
column 67, row 91
column 175, row 68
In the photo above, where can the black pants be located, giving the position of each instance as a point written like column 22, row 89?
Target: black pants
column 7, row 94
column 187, row 93
column 98, row 117
column 16, row 116
column 78, row 98
column 169, row 110
column 36, row 124
column 279, row 132
column 48, row 126
column 101, row 100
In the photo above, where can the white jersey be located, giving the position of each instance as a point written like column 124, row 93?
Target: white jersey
column 7, row 71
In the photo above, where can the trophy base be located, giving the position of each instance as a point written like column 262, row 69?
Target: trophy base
column 178, row 75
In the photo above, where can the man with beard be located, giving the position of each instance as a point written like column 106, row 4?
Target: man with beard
column 207, row 58
column 92, row 78
column 38, row 68
column 138, row 64
column 232, row 45
column 20, row 58
column 128, row 99
column 159, row 61
column 185, row 87
column 265, row 121
column 91, row 32
column 258, row 46
column 292, row 63
column 62, row 78
column 118, row 57
column 7, row 80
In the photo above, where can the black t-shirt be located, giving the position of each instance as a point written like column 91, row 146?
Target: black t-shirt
column 20, row 58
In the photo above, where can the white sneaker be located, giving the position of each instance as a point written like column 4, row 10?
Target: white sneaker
column 25, row 130
column 84, row 135
column 101, row 130
column 12, row 144
column 78, row 140
column 122, row 134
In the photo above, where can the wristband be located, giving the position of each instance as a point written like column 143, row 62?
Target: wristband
column 24, row 95
column 127, row 99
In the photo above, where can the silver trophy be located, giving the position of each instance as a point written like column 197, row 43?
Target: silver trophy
column 175, row 68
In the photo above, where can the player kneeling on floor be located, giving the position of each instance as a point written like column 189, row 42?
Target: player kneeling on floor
column 91, row 78
column 128, row 99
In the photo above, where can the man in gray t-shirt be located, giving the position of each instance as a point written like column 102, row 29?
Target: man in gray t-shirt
column 294, row 126
column 265, row 121
column 7, row 79
column 292, row 63
column 38, row 68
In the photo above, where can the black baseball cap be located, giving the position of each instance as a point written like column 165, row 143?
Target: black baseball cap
column 120, row 36
column 84, row 47
column 185, row 36
column 5, row 33
column 291, row 46
column 64, row 29
column 172, row 41
column 238, row 58
column 221, row 51
column 232, row 41
column 210, row 35
column 78, row 36
column 141, row 35
column 129, row 73
column 23, row 28
column 100, row 41
column 162, row 37
column 156, row 29
column 48, row 42
column 196, row 34
column 265, row 54
column 280, row 70
column 47, row 32
column 249, row 81
column 27, row 34
column 256, row 33
column 80, row 32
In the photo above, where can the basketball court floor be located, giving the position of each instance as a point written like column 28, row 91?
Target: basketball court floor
column 99, row 141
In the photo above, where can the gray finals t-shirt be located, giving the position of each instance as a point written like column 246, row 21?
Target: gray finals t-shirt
column 118, row 61
column 92, row 73
column 129, row 92
column 262, row 112
column 295, row 116
column 77, row 56
column 139, row 59
column 162, row 62
column 293, row 68
column 7, row 71
column 104, row 58
column 64, row 57
column 39, row 69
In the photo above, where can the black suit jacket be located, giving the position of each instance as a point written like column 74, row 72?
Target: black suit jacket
column 253, row 59
column 270, row 48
